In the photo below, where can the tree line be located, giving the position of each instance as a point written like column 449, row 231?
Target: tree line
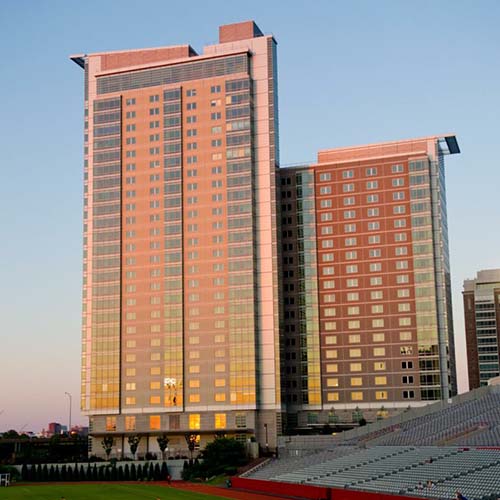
column 108, row 472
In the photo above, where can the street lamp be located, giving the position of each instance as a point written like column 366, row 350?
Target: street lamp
column 70, row 397
column 267, row 440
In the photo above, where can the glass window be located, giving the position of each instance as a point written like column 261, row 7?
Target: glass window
column 220, row 420
column 111, row 423
column 154, row 422
column 194, row 421
column 129, row 423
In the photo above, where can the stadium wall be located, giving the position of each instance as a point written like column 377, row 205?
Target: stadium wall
column 310, row 492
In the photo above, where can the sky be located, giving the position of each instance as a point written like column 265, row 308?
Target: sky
column 350, row 72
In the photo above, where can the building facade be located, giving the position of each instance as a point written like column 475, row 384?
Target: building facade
column 224, row 295
column 181, row 297
column 482, row 326
column 366, row 282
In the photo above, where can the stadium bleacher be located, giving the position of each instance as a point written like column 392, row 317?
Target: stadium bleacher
column 432, row 455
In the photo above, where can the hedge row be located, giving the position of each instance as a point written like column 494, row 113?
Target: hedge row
column 113, row 472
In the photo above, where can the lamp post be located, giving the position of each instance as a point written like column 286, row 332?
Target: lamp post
column 267, row 440
column 70, row 397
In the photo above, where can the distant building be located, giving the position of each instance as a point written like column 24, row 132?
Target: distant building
column 482, row 326
column 54, row 428
column 79, row 430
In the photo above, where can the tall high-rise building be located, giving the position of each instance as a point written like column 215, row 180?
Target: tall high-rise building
column 223, row 294
column 180, row 295
column 366, row 281
column 482, row 326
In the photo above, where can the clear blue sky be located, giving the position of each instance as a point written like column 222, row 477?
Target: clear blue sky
column 350, row 72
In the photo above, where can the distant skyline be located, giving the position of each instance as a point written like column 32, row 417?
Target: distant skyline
column 350, row 73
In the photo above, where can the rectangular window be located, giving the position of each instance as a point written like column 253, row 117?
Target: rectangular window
column 111, row 424
column 129, row 423
column 194, row 421
column 154, row 422
column 220, row 420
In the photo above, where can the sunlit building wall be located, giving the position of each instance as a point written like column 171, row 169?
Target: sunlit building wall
column 366, row 281
column 181, row 288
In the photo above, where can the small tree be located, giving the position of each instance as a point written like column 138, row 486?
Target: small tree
column 186, row 473
column 191, row 443
column 164, row 471
column 107, row 443
column 163, row 444
column 157, row 472
column 222, row 455
column 133, row 442
column 140, row 475
column 64, row 475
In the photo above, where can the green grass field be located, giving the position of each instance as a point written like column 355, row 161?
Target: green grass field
column 99, row 492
